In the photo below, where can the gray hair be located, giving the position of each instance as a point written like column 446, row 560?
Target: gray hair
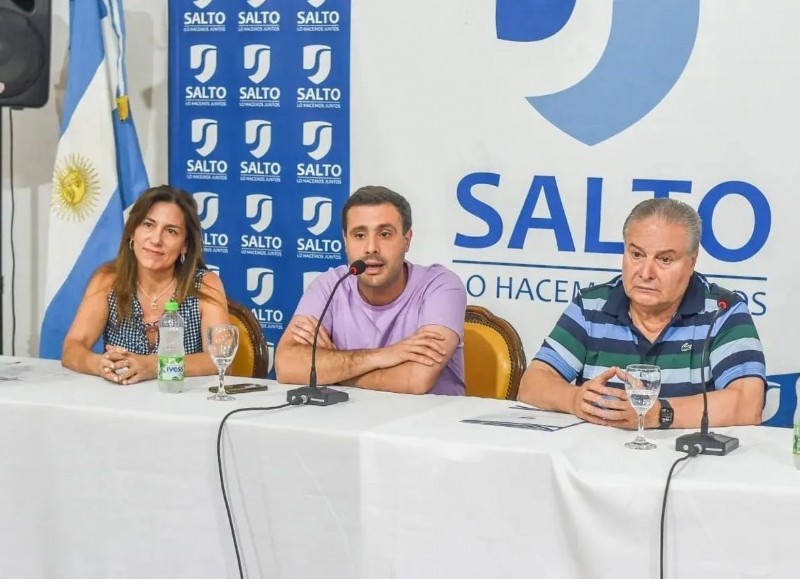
column 669, row 211
column 377, row 195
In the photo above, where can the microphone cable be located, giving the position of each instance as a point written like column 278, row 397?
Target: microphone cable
column 300, row 402
column 11, row 234
column 693, row 452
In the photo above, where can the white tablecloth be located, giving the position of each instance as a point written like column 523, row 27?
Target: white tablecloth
column 101, row 481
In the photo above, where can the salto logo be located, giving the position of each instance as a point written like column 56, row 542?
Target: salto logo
column 257, row 60
column 308, row 277
column 204, row 135
column 317, row 61
column 207, row 208
column 203, row 59
column 258, row 208
column 317, row 214
column 256, row 3
column 261, row 282
column 202, row 3
column 316, row 3
column 258, row 133
column 318, row 136
column 648, row 47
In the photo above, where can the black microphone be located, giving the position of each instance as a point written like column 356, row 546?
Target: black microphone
column 311, row 394
column 704, row 441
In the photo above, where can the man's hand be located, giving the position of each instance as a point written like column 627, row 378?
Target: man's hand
column 423, row 347
column 302, row 330
column 598, row 403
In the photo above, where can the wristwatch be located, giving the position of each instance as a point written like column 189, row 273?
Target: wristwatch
column 666, row 415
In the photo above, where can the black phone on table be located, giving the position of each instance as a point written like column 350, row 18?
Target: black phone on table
column 241, row 388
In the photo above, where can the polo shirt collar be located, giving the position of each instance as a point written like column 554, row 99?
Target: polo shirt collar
column 693, row 300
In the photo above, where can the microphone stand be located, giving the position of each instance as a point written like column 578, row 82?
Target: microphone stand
column 704, row 441
column 312, row 394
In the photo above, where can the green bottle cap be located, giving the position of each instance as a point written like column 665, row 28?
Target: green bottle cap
column 171, row 306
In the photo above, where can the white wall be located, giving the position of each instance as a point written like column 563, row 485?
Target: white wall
column 35, row 139
column 438, row 100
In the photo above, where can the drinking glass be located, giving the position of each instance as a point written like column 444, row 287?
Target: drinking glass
column 642, row 385
column 222, row 344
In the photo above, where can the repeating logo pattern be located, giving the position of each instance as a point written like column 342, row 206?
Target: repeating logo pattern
column 201, row 19
column 260, row 283
column 203, row 59
column 259, row 134
column 317, row 62
column 317, row 214
column 319, row 19
column 204, row 134
column 208, row 208
column 259, row 211
column 257, row 61
column 317, row 138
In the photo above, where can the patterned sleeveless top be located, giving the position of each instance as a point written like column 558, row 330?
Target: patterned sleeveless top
column 131, row 332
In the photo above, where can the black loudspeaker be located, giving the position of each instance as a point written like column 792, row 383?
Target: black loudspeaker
column 24, row 53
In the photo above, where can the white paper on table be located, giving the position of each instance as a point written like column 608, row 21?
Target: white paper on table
column 22, row 370
column 525, row 417
column 9, row 370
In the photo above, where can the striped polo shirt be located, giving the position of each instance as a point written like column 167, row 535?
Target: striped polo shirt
column 596, row 332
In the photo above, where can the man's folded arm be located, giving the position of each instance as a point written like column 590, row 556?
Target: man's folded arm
column 420, row 374
column 412, row 365
column 293, row 362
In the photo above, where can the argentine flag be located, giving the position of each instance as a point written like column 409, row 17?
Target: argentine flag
column 99, row 170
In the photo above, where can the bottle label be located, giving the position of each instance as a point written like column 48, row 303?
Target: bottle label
column 797, row 439
column 170, row 368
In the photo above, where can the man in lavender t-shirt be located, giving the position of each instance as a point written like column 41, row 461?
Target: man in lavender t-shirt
column 397, row 327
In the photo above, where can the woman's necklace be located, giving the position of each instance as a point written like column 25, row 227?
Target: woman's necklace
column 154, row 300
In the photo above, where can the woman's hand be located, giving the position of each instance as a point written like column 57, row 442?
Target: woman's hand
column 123, row 367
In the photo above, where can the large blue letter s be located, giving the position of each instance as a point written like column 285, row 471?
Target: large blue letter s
column 479, row 209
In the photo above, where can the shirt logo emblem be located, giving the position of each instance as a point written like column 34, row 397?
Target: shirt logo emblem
column 686, row 347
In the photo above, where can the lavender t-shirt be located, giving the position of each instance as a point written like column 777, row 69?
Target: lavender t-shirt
column 433, row 295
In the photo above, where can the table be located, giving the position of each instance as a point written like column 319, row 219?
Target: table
column 100, row 481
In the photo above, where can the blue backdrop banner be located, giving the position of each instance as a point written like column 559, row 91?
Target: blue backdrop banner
column 259, row 107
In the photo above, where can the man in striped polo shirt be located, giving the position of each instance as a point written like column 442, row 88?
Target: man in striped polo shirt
column 658, row 312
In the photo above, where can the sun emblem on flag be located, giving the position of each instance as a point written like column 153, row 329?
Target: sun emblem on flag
column 76, row 187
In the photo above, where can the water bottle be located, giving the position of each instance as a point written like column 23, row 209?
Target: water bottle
column 170, row 349
column 797, row 429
